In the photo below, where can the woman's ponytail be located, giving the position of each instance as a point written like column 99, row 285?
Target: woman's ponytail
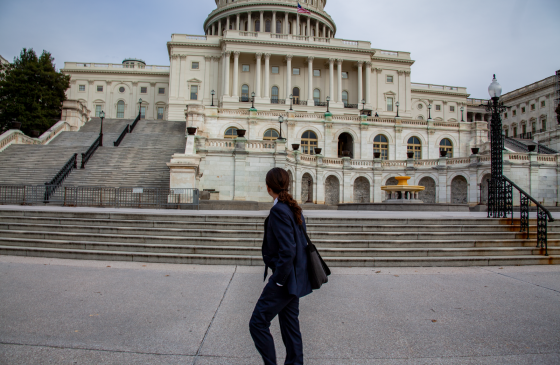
column 278, row 181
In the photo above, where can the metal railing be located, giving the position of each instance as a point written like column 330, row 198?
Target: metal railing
column 121, row 137
column 92, row 196
column 320, row 103
column 505, row 191
column 277, row 101
column 51, row 186
column 525, row 148
column 133, row 125
column 300, row 102
column 351, row 106
column 91, row 150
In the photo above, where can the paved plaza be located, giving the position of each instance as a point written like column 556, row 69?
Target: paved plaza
column 55, row 311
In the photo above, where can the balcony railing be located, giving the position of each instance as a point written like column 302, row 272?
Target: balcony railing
column 300, row 102
column 244, row 99
column 320, row 103
column 277, row 101
column 351, row 106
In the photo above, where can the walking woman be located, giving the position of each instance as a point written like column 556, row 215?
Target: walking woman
column 284, row 251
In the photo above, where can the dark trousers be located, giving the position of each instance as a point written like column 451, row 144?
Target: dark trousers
column 275, row 300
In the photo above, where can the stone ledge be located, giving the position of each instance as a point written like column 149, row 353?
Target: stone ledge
column 405, row 207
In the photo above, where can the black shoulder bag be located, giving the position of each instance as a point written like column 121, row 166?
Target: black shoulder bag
column 316, row 267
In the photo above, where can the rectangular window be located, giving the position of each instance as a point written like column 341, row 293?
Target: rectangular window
column 143, row 90
column 245, row 68
column 451, row 108
column 317, row 73
column 143, row 112
column 82, row 88
column 97, row 110
column 161, row 90
column 160, row 112
column 389, row 79
column 514, row 113
column 543, row 104
column 345, row 75
column 195, row 65
column 389, row 104
column 438, row 107
column 505, row 115
column 275, row 69
column 194, row 92
column 534, row 127
column 514, row 132
column 507, row 132
column 295, row 71
column 523, row 110
column 524, row 128
column 533, row 107
column 100, row 88
column 544, row 125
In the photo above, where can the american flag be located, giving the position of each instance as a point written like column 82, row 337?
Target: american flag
column 302, row 10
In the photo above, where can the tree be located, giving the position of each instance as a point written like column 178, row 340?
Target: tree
column 31, row 92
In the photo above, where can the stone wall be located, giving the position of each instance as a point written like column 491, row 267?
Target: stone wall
column 429, row 194
column 361, row 190
column 306, row 188
column 332, row 190
column 459, row 190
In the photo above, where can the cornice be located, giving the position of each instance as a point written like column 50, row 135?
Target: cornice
column 299, row 45
column 505, row 97
column 161, row 73
column 423, row 91
column 398, row 60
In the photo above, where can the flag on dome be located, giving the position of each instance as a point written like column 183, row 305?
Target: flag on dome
column 302, row 10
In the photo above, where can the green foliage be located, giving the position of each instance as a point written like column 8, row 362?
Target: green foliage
column 31, row 92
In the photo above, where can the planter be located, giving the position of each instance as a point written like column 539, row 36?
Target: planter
column 35, row 133
column 295, row 146
column 410, row 154
column 191, row 131
column 16, row 125
column 377, row 154
column 442, row 153
column 475, row 151
column 318, row 150
column 532, row 147
column 345, row 153
column 241, row 133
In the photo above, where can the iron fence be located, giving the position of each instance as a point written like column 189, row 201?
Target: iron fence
column 97, row 196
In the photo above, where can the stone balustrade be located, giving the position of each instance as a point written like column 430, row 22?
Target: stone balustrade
column 15, row 136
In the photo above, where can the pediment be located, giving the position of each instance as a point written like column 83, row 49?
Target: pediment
column 194, row 81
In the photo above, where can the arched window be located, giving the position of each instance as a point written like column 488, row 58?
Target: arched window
column 381, row 145
column 308, row 142
column 120, row 109
column 270, row 135
column 414, row 145
column 446, row 145
column 231, row 133
column 267, row 26
column 420, row 117
column 296, row 95
column 317, row 95
column 274, row 93
column 279, row 27
column 345, row 97
column 257, row 26
column 245, row 93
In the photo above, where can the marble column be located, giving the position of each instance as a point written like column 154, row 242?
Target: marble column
column 310, row 81
column 360, row 77
column 249, row 27
column 213, row 76
column 226, row 73
column 237, row 21
column 316, row 28
column 339, row 79
column 267, row 75
column 368, row 83
column 324, row 31
column 220, row 28
column 288, row 76
column 286, row 24
column 258, row 56
column 331, row 78
column 213, row 29
column 308, row 32
column 261, row 29
column 378, row 97
column 207, row 84
column 273, row 26
column 235, row 74
column 227, row 23
column 298, row 30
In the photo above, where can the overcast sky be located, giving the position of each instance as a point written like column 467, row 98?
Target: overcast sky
column 456, row 43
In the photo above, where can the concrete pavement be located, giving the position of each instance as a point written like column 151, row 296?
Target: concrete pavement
column 55, row 311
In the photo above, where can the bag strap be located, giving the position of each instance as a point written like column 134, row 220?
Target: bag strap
column 312, row 247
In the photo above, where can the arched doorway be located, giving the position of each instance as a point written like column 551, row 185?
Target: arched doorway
column 361, row 190
column 332, row 190
column 307, row 188
column 345, row 143
column 429, row 193
column 484, row 185
column 459, row 190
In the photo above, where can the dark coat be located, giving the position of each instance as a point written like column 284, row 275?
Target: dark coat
column 284, row 250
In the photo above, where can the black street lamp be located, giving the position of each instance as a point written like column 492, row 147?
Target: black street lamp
column 140, row 107
column 213, row 93
column 102, row 116
column 429, row 111
column 253, row 100
column 328, row 101
column 280, row 120
column 397, row 104
column 291, row 99
column 363, row 106
column 462, row 114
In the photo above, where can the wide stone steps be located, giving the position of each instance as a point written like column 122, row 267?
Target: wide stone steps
column 109, row 125
column 215, row 239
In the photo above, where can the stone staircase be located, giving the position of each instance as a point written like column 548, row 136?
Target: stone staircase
column 237, row 239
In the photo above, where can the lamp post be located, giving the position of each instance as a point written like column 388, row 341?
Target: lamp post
column 328, row 101
column 397, row 104
column 102, row 116
column 462, row 114
column 291, row 98
column 140, row 107
column 429, row 111
column 363, row 106
column 280, row 120
column 253, row 100
column 213, row 93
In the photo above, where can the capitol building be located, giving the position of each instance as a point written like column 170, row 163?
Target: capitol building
column 350, row 117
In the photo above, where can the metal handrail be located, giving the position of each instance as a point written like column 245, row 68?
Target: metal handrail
column 516, row 143
column 91, row 150
column 121, row 137
column 51, row 186
column 547, row 150
column 551, row 219
column 133, row 125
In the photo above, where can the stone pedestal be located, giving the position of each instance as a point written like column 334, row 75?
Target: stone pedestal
column 183, row 168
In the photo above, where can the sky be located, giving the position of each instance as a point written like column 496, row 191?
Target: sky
column 455, row 43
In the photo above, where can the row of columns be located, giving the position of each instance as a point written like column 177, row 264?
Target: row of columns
column 296, row 25
column 226, row 57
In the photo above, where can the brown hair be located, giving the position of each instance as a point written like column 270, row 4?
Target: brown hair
column 278, row 181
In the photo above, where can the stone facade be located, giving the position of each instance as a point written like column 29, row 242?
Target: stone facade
column 429, row 193
column 361, row 190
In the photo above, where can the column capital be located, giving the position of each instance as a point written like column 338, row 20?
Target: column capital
column 310, row 59
column 359, row 63
column 400, row 72
column 289, row 57
column 207, row 58
column 92, row 81
column 267, row 56
column 262, row 12
column 331, row 61
column 274, row 12
column 183, row 56
column 249, row 13
column 227, row 53
column 378, row 70
column 339, row 61
column 368, row 64
column 174, row 56
column 236, row 54
column 216, row 58
column 406, row 72
column 258, row 56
